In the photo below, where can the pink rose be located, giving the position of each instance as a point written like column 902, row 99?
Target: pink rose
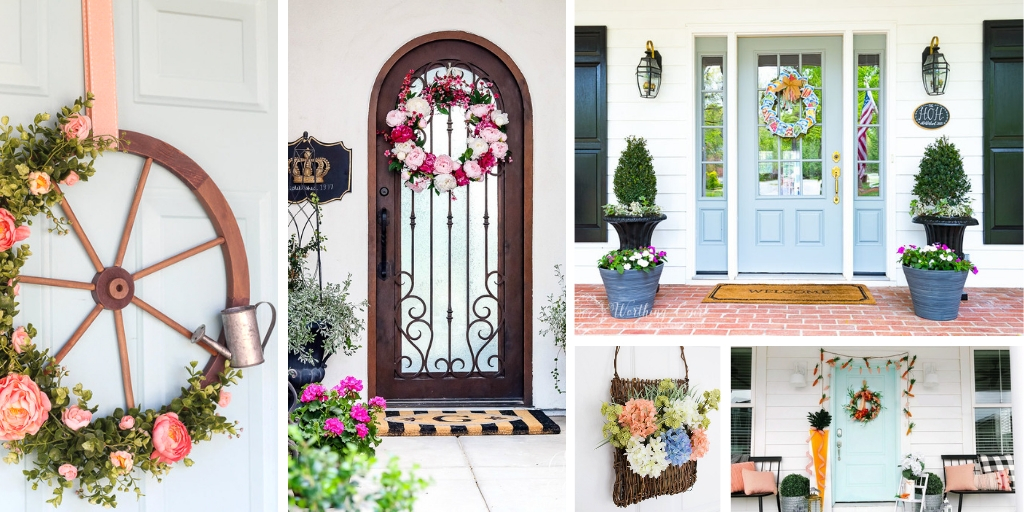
column 444, row 165
column 481, row 110
column 77, row 127
column 9, row 233
column 396, row 118
column 225, row 399
column 23, row 407
column 20, row 339
column 17, row 287
column 38, row 183
column 127, row 422
column 171, row 441
column 472, row 170
column 499, row 149
column 76, row 418
column 414, row 159
column 121, row 459
column 70, row 179
column 68, row 471
column 401, row 134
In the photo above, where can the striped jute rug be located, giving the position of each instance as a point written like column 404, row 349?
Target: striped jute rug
column 791, row 294
column 464, row 423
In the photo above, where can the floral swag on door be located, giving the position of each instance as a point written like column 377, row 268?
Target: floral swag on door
column 486, row 146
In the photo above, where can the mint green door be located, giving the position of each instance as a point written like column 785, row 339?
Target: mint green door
column 865, row 455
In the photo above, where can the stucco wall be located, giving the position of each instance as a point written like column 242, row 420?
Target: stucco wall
column 336, row 50
column 666, row 121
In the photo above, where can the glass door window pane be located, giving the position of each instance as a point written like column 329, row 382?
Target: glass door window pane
column 712, row 118
column 786, row 162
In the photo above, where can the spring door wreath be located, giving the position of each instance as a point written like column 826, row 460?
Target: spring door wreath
column 658, row 430
column 486, row 127
column 789, row 89
column 41, row 415
column 864, row 405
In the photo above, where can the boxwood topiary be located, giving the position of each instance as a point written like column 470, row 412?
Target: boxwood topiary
column 934, row 485
column 795, row 486
column 941, row 185
column 634, row 180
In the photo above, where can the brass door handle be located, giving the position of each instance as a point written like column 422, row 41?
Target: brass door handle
column 835, row 177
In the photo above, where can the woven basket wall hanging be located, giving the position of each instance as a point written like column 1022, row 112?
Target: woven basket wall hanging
column 629, row 487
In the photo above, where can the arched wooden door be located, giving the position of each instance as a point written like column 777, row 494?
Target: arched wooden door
column 450, row 274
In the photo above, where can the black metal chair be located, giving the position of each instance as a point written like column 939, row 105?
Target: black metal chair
column 772, row 464
column 956, row 460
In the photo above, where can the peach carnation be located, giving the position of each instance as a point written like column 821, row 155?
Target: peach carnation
column 638, row 416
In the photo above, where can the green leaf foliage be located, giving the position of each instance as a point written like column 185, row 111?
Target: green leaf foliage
column 553, row 314
column 795, row 486
column 327, row 313
column 634, row 175
column 934, row 485
column 941, row 185
column 819, row 420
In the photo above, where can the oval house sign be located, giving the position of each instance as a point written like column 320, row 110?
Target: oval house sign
column 931, row 115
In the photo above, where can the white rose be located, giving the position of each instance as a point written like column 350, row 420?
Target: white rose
column 499, row 118
column 445, row 182
column 418, row 105
column 478, row 145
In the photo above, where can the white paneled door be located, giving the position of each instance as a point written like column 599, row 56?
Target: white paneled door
column 200, row 76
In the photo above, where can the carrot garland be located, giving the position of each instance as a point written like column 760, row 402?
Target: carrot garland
column 904, row 365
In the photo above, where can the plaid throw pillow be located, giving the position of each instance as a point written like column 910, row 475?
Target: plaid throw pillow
column 994, row 463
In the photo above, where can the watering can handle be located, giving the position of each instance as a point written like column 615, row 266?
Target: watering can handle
column 273, row 321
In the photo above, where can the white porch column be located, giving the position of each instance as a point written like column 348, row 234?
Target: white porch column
column 1017, row 412
column 732, row 192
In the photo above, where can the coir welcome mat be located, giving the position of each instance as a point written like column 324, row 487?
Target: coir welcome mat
column 791, row 294
column 464, row 423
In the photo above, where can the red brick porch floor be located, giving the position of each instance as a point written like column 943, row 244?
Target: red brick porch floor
column 678, row 310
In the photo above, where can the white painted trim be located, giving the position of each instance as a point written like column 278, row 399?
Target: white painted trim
column 967, row 399
column 849, row 159
column 732, row 192
column 759, row 394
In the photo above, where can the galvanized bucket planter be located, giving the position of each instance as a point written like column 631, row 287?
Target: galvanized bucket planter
column 631, row 294
column 933, row 503
column 794, row 504
column 935, row 293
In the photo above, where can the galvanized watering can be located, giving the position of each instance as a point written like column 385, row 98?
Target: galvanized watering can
column 242, row 335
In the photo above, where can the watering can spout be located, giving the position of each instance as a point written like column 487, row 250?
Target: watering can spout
column 244, row 347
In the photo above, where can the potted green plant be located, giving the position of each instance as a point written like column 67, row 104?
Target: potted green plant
column 936, row 276
column 942, row 204
column 635, row 215
column 933, row 494
column 631, row 279
column 553, row 314
column 793, row 491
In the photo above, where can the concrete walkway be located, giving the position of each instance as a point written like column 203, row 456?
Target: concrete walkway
column 486, row 473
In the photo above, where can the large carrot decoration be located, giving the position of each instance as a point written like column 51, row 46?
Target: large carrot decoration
column 819, row 446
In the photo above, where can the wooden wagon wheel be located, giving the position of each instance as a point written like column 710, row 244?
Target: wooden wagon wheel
column 113, row 287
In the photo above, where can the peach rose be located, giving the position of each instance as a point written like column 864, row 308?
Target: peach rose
column 38, row 183
column 225, row 399
column 77, row 127
column 10, row 234
column 20, row 339
column 121, row 459
column 127, row 422
column 68, row 471
column 171, row 441
column 76, row 418
column 23, row 407
column 70, row 179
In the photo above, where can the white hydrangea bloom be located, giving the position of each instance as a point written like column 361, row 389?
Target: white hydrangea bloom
column 685, row 409
column 646, row 460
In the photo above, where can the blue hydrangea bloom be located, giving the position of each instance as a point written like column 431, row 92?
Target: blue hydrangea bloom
column 677, row 446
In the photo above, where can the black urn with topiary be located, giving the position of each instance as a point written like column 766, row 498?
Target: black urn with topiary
column 942, row 204
column 635, row 185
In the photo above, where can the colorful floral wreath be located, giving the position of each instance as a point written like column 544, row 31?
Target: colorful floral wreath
column 792, row 87
column 39, row 415
column 864, row 404
column 485, row 148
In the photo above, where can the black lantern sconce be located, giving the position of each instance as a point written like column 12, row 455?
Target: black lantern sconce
column 648, row 73
column 934, row 69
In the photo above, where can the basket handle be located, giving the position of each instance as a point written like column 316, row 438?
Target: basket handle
column 682, row 354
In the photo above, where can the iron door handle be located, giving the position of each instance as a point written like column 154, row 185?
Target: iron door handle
column 382, row 221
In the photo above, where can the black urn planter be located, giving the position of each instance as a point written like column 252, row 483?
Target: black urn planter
column 635, row 231
column 301, row 373
column 946, row 230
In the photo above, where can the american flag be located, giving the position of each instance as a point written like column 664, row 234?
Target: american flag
column 866, row 112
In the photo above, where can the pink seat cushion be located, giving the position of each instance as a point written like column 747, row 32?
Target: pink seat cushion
column 758, row 482
column 737, row 474
column 960, row 477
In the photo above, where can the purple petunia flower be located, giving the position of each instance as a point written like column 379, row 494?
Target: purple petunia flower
column 313, row 392
column 359, row 413
column 974, row 270
column 900, row 251
column 334, row 426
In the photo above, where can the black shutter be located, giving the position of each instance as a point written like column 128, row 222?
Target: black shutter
column 591, row 165
column 1003, row 132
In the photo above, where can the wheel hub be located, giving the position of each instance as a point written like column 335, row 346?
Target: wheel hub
column 115, row 288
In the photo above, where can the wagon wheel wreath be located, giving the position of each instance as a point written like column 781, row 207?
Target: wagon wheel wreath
column 37, row 413
column 792, row 88
column 864, row 405
column 486, row 145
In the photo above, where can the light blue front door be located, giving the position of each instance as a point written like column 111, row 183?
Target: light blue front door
column 789, row 220
column 865, row 455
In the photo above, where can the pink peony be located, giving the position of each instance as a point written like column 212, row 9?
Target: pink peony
column 362, row 430
column 414, row 159
column 77, row 127
column 10, row 234
column 460, row 178
column 20, row 339
column 401, row 134
column 127, row 422
column 76, row 418
column 481, row 110
column 428, row 163
column 472, row 170
column 444, row 165
column 121, row 459
column 499, row 149
column 68, row 471
column 225, row 399
column 38, row 183
column 334, row 426
column 419, row 184
column 491, row 134
column 638, row 415
column 396, row 118
column 487, row 160
column 700, row 444
column 23, row 407
column 70, row 179
column 171, row 441
column 378, row 402
column 359, row 413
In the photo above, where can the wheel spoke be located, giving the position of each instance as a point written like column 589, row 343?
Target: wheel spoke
column 177, row 257
column 131, row 213
column 60, row 283
column 79, row 231
column 77, row 335
column 170, row 323
column 126, row 370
